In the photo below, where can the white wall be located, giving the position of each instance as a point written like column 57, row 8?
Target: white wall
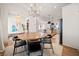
column 1, row 41
column 1, row 31
column 70, row 15
column 4, row 24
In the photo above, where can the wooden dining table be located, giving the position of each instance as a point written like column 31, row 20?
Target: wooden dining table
column 29, row 36
column 33, row 35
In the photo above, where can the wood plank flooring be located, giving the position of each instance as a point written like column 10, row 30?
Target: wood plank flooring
column 68, row 51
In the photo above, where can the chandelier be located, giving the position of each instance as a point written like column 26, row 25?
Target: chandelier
column 34, row 10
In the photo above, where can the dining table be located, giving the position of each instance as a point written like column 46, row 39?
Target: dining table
column 29, row 36
column 34, row 35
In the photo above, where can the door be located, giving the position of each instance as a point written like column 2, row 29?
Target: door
column 61, row 30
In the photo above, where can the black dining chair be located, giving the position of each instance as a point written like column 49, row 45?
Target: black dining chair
column 18, row 43
column 35, row 46
column 47, row 40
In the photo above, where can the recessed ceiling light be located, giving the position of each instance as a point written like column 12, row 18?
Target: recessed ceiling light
column 55, row 6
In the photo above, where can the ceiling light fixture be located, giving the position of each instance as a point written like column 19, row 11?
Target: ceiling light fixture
column 34, row 10
column 55, row 6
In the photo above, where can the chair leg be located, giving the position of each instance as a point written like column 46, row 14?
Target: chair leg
column 42, row 46
column 25, row 48
column 14, row 51
column 28, row 53
column 52, row 47
column 42, row 50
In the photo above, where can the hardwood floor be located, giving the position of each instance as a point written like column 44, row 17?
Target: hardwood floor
column 2, row 53
column 59, row 50
column 68, row 51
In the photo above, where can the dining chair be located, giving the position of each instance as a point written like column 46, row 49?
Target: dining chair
column 18, row 43
column 35, row 46
column 47, row 40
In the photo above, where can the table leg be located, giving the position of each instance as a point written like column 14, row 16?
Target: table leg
column 28, row 53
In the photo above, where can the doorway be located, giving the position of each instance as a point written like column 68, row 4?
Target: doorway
column 61, row 31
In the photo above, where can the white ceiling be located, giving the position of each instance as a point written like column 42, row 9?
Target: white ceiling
column 46, row 9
